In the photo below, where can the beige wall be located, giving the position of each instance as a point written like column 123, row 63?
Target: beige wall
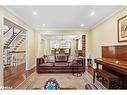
column 104, row 34
column 30, row 38
column 1, row 50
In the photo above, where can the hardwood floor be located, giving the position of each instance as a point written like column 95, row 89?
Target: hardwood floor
column 13, row 76
column 89, row 70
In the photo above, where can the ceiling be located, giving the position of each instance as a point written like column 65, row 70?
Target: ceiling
column 62, row 16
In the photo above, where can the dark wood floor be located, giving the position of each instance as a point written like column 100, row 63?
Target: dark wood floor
column 13, row 76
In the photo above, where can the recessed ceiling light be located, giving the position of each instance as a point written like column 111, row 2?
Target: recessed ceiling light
column 92, row 13
column 82, row 25
column 35, row 13
column 43, row 25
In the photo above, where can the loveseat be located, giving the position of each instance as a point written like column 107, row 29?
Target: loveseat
column 61, row 67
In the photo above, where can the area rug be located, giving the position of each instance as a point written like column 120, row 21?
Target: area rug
column 66, row 81
column 88, row 78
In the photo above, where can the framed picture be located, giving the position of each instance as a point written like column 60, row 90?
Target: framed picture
column 122, row 29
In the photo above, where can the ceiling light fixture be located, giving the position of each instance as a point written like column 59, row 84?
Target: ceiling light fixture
column 43, row 25
column 82, row 25
column 35, row 13
column 92, row 13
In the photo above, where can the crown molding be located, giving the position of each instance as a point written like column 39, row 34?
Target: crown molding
column 53, row 29
column 106, row 18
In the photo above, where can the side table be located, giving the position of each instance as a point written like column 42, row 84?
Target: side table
column 75, row 68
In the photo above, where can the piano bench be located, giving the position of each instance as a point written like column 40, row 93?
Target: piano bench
column 109, row 80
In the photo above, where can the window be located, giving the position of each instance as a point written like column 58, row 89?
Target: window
column 61, row 44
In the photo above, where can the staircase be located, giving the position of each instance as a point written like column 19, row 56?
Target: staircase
column 13, row 38
column 10, row 35
column 17, row 42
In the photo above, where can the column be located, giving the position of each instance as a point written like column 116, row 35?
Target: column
column 83, row 45
column 76, row 51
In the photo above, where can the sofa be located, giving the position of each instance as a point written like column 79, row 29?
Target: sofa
column 61, row 67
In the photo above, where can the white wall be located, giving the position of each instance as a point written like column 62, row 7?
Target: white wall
column 104, row 34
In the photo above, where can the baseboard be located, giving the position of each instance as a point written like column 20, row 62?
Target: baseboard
column 32, row 66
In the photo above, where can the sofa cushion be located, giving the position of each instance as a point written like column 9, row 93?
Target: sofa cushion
column 74, row 64
column 61, row 64
column 70, row 63
column 47, row 64
column 51, row 58
column 70, row 58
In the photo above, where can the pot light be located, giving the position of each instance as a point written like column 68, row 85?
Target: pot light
column 43, row 25
column 35, row 13
column 92, row 13
column 82, row 25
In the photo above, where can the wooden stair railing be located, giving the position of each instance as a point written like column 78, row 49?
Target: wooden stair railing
column 12, row 38
column 7, row 30
column 14, row 59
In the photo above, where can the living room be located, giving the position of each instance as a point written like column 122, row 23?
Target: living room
column 63, row 47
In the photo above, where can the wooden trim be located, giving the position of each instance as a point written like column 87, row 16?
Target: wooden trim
column 84, row 45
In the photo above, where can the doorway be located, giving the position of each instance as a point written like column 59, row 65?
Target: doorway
column 14, row 54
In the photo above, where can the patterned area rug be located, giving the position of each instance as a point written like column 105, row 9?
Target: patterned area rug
column 89, row 80
column 66, row 81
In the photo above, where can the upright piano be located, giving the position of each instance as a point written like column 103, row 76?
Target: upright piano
column 114, row 60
